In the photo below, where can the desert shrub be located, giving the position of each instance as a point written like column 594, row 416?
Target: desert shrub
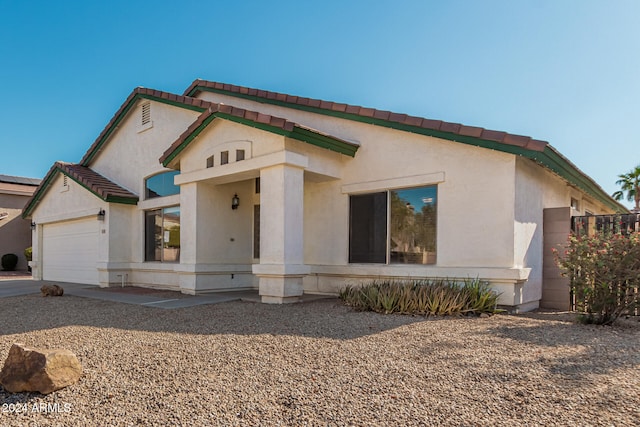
column 440, row 297
column 604, row 274
column 9, row 262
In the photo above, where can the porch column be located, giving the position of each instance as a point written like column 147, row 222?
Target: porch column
column 281, row 267
column 190, row 204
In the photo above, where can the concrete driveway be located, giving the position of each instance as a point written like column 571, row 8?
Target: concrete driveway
column 10, row 287
column 127, row 295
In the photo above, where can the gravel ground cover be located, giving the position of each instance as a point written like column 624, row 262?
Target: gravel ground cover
column 320, row 363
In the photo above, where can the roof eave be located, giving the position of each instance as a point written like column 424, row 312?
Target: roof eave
column 539, row 151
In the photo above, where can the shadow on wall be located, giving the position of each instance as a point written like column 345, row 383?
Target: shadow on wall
column 15, row 237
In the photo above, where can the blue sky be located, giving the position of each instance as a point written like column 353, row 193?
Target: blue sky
column 564, row 71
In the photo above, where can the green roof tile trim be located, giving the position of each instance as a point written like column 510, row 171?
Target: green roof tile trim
column 49, row 178
column 297, row 132
column 544, row 154
column 137, row 94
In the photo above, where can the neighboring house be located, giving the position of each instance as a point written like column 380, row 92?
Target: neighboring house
column 227, row 187
column 15, row 231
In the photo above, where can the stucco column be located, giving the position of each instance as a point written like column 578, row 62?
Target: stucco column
column 36, row 253
column 281, row 267
column 189, row 216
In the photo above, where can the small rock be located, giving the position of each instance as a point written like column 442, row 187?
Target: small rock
column 51, row 290
column 41, row 370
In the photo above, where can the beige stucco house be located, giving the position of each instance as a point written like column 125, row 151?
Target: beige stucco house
column 226, row 187
column 15, row 232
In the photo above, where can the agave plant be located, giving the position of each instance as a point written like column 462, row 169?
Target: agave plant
column 439, row 297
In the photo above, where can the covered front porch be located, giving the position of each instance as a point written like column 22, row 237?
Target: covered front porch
column 242, row 226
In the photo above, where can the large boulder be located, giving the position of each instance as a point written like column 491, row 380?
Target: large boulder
column 41, row 370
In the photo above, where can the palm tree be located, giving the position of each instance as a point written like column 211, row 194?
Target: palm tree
column 629, row 183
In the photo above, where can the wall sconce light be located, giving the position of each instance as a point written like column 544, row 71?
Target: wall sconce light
column 235, row 202
column 33, row 225
column 101, row 214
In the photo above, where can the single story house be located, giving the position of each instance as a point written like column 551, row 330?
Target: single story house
column 226, row 187
column 15, row 232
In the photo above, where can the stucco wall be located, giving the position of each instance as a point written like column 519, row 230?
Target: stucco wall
column 475, row 200
column 528, row 232
column 538, row 189
column 66, row 202
column 475, row 196
column 223, row 135
column 132, row 151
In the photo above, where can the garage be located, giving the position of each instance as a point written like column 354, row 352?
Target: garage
column 70, row 251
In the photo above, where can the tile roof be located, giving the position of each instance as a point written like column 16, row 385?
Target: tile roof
column 539, row 151
column 96, row 183
column 140, row 92
column 260, row 120
column 373, row 114
column 100, row 186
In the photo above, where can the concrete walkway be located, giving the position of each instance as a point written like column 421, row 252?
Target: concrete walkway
column 133, row 295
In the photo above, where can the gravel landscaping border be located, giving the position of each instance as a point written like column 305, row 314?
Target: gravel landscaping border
column 320, row 363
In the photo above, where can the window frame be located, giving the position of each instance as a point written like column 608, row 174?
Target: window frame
column 163, row 231
column 147, row 190
column 388, row 227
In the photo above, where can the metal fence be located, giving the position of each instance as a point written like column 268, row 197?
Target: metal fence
column 618, row 223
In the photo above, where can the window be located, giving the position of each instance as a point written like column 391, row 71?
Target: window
column 368, row 228
column 397, row 226
column 162, row 235
column 257, row 186
column 161, row 185
column 239, row 155
column 224, row 157
column 210, row 162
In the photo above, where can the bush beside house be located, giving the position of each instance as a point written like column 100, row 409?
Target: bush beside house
column 9, row 262
column 604, row 273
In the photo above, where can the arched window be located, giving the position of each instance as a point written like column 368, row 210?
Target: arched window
column 161, row 185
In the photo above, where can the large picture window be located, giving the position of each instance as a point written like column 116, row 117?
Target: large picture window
column 162, row 235
column 397, row 226
column 161, row 185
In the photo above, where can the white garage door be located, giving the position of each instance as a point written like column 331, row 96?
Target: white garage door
column 70, row 251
